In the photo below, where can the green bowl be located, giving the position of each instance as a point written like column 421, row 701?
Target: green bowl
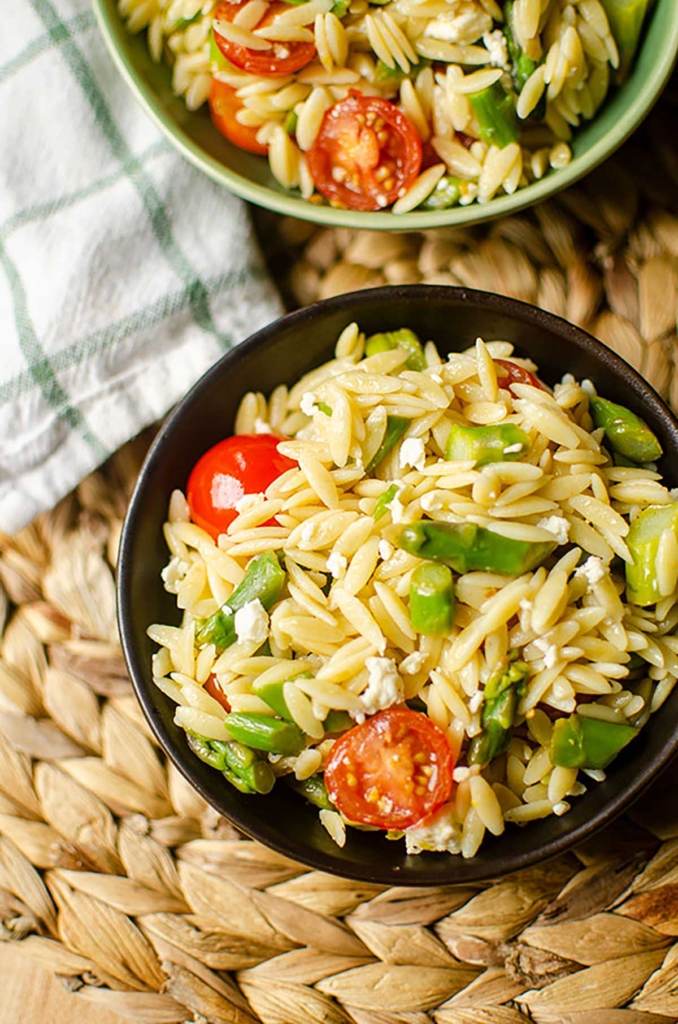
column 248, row 176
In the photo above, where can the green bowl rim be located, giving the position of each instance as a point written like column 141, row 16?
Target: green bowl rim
column 111, row 27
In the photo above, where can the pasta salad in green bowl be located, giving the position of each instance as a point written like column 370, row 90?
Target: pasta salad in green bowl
column 396, row 114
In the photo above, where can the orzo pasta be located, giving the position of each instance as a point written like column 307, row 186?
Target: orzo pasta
column 433, row 595
column 422, row 104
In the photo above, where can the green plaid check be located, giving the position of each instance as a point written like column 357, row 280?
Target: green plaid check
column 124, row 273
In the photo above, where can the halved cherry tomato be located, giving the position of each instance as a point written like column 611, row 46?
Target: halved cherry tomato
column 391, row 771
column 516, row 375
column 212, row 687
column 224, row 105
column 366, row 152
column 279, row 59
column 240, row 465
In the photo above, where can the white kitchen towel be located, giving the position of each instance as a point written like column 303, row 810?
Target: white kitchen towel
column 124, row 272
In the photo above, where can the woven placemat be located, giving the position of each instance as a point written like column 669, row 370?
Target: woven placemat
column 120, row 879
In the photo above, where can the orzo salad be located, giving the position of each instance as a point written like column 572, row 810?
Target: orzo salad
column 433, row 595
column 370, row 104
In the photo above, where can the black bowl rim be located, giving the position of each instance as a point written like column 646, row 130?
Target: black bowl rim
column 138, row 671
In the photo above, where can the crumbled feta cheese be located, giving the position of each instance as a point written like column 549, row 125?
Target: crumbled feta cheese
column 558, row 526
column 336, row 565
column 413, row 663
column 397, row 510
column 262, row 427
column 467, row 26
column 593, row 570
column 226, row 491
column 384, row 688
column 551, row 653
column 495, row 44
column 461, row 773
column 440, row 832
column 475, row 701
column 251, row 622
column 247, row 501
column 412, row 453
column 526, row 605
column 431, row 502
column 386, row 549
column 307, row 404
column 173, row 574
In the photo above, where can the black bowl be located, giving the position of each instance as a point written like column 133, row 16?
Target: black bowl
column 281, row 353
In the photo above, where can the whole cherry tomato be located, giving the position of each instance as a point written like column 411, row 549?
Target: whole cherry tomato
column 240, row 465
column 391, row 771
column 280, row 59
column 515, row 374
column 224, row 105
column 366, row 152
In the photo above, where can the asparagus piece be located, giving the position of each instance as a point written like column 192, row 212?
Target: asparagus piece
column 264, row 732
column 626, row 19
column 432, row 599
column 642, row 584
column 395, row 428
column 313, row 789
column 626, row 433
column 467, row 547
column 403, row 338
column 238, row 763
column 502, row 696
column 495, row 112
column 383, row 501
column 264, row 580
column 580, row 741
column 501, row 442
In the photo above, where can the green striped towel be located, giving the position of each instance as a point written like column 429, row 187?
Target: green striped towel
column 124, row 272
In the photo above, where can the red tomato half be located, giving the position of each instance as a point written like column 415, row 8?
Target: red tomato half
column 391, row 771
column 224, row 105
column 280, row 59
column 365, row 153
column 240, row 465
column 516, row 375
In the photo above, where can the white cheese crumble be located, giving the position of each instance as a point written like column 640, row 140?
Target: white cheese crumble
column 495, row 44
column 464, row 27
column 248, row 501
column 431, row 502
column 384, row 688
column 558, row 526
column 413, row 663
column 336, row 565
column 307, row 532
column 441, row 832
column 593, row 570
column 262, row 426
column 412, row 453
column 551, row 653
column 461, row 774
column 251, row 622
column 173, row 574
column 386, row 549
column 307, row 404
column 397, row 510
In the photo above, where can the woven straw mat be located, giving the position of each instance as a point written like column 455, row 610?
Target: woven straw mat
column 117, row 876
